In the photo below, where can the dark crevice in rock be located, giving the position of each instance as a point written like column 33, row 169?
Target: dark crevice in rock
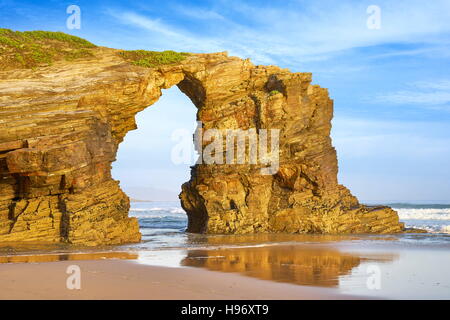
column 65, row 220
column 193, row 89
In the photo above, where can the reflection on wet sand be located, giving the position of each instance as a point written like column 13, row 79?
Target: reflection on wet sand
column 67, row 256
column 295, row 264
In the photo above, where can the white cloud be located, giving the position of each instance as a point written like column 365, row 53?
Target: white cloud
column 436, row 93
column 422, row 98
column 362, row 138
column 308, row 32
column 198, row 13
column 165, row 32
column 182, row 40
column 438, row 85
column 154, row 25
column 430, row 51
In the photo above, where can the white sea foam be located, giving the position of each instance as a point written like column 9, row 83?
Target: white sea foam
column 177, row 210
column 424, row 214
column 445, row 229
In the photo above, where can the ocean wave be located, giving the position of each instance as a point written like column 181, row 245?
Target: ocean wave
column 424, row 214
column 178, row 210
column 159, row 216
column 431, row 228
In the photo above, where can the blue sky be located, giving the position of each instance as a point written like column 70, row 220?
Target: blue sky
column 391, row 86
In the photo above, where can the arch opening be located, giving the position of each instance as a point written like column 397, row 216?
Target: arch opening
column 144, row 163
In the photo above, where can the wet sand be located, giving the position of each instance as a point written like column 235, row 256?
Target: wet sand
column 237, row 268
column 118, row 279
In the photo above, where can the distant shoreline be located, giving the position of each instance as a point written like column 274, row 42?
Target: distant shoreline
column 140, row 200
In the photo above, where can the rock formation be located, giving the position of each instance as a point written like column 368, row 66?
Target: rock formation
column 61, row 124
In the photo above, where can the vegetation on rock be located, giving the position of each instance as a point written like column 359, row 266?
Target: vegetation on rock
column 273, row 92
column 151, row 59
column 30, row 49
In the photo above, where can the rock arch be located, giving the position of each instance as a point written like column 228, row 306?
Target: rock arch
column 60, row 127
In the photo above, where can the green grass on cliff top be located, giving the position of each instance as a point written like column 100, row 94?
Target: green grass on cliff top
column 151, row 59
column 30, row 49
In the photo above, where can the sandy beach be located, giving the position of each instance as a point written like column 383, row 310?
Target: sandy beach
column 118, row 279
column 352, row 269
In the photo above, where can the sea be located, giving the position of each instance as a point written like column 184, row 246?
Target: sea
column 163, row 225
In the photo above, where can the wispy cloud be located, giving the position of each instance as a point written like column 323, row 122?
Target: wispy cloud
column 390, row 139
column 153, row 25
column 198, row 13
column 436, row 93
column 429, row 51
column 183, row 40
column 307, row 31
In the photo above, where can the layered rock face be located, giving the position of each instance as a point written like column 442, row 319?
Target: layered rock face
column 303, row 196
column 60, row 127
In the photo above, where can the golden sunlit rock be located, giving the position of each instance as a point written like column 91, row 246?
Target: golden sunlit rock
column 61, row 124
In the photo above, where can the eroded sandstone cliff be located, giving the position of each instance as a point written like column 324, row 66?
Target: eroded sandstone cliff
column 61, row 124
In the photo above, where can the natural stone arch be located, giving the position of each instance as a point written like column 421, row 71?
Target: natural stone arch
column 62, row 125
